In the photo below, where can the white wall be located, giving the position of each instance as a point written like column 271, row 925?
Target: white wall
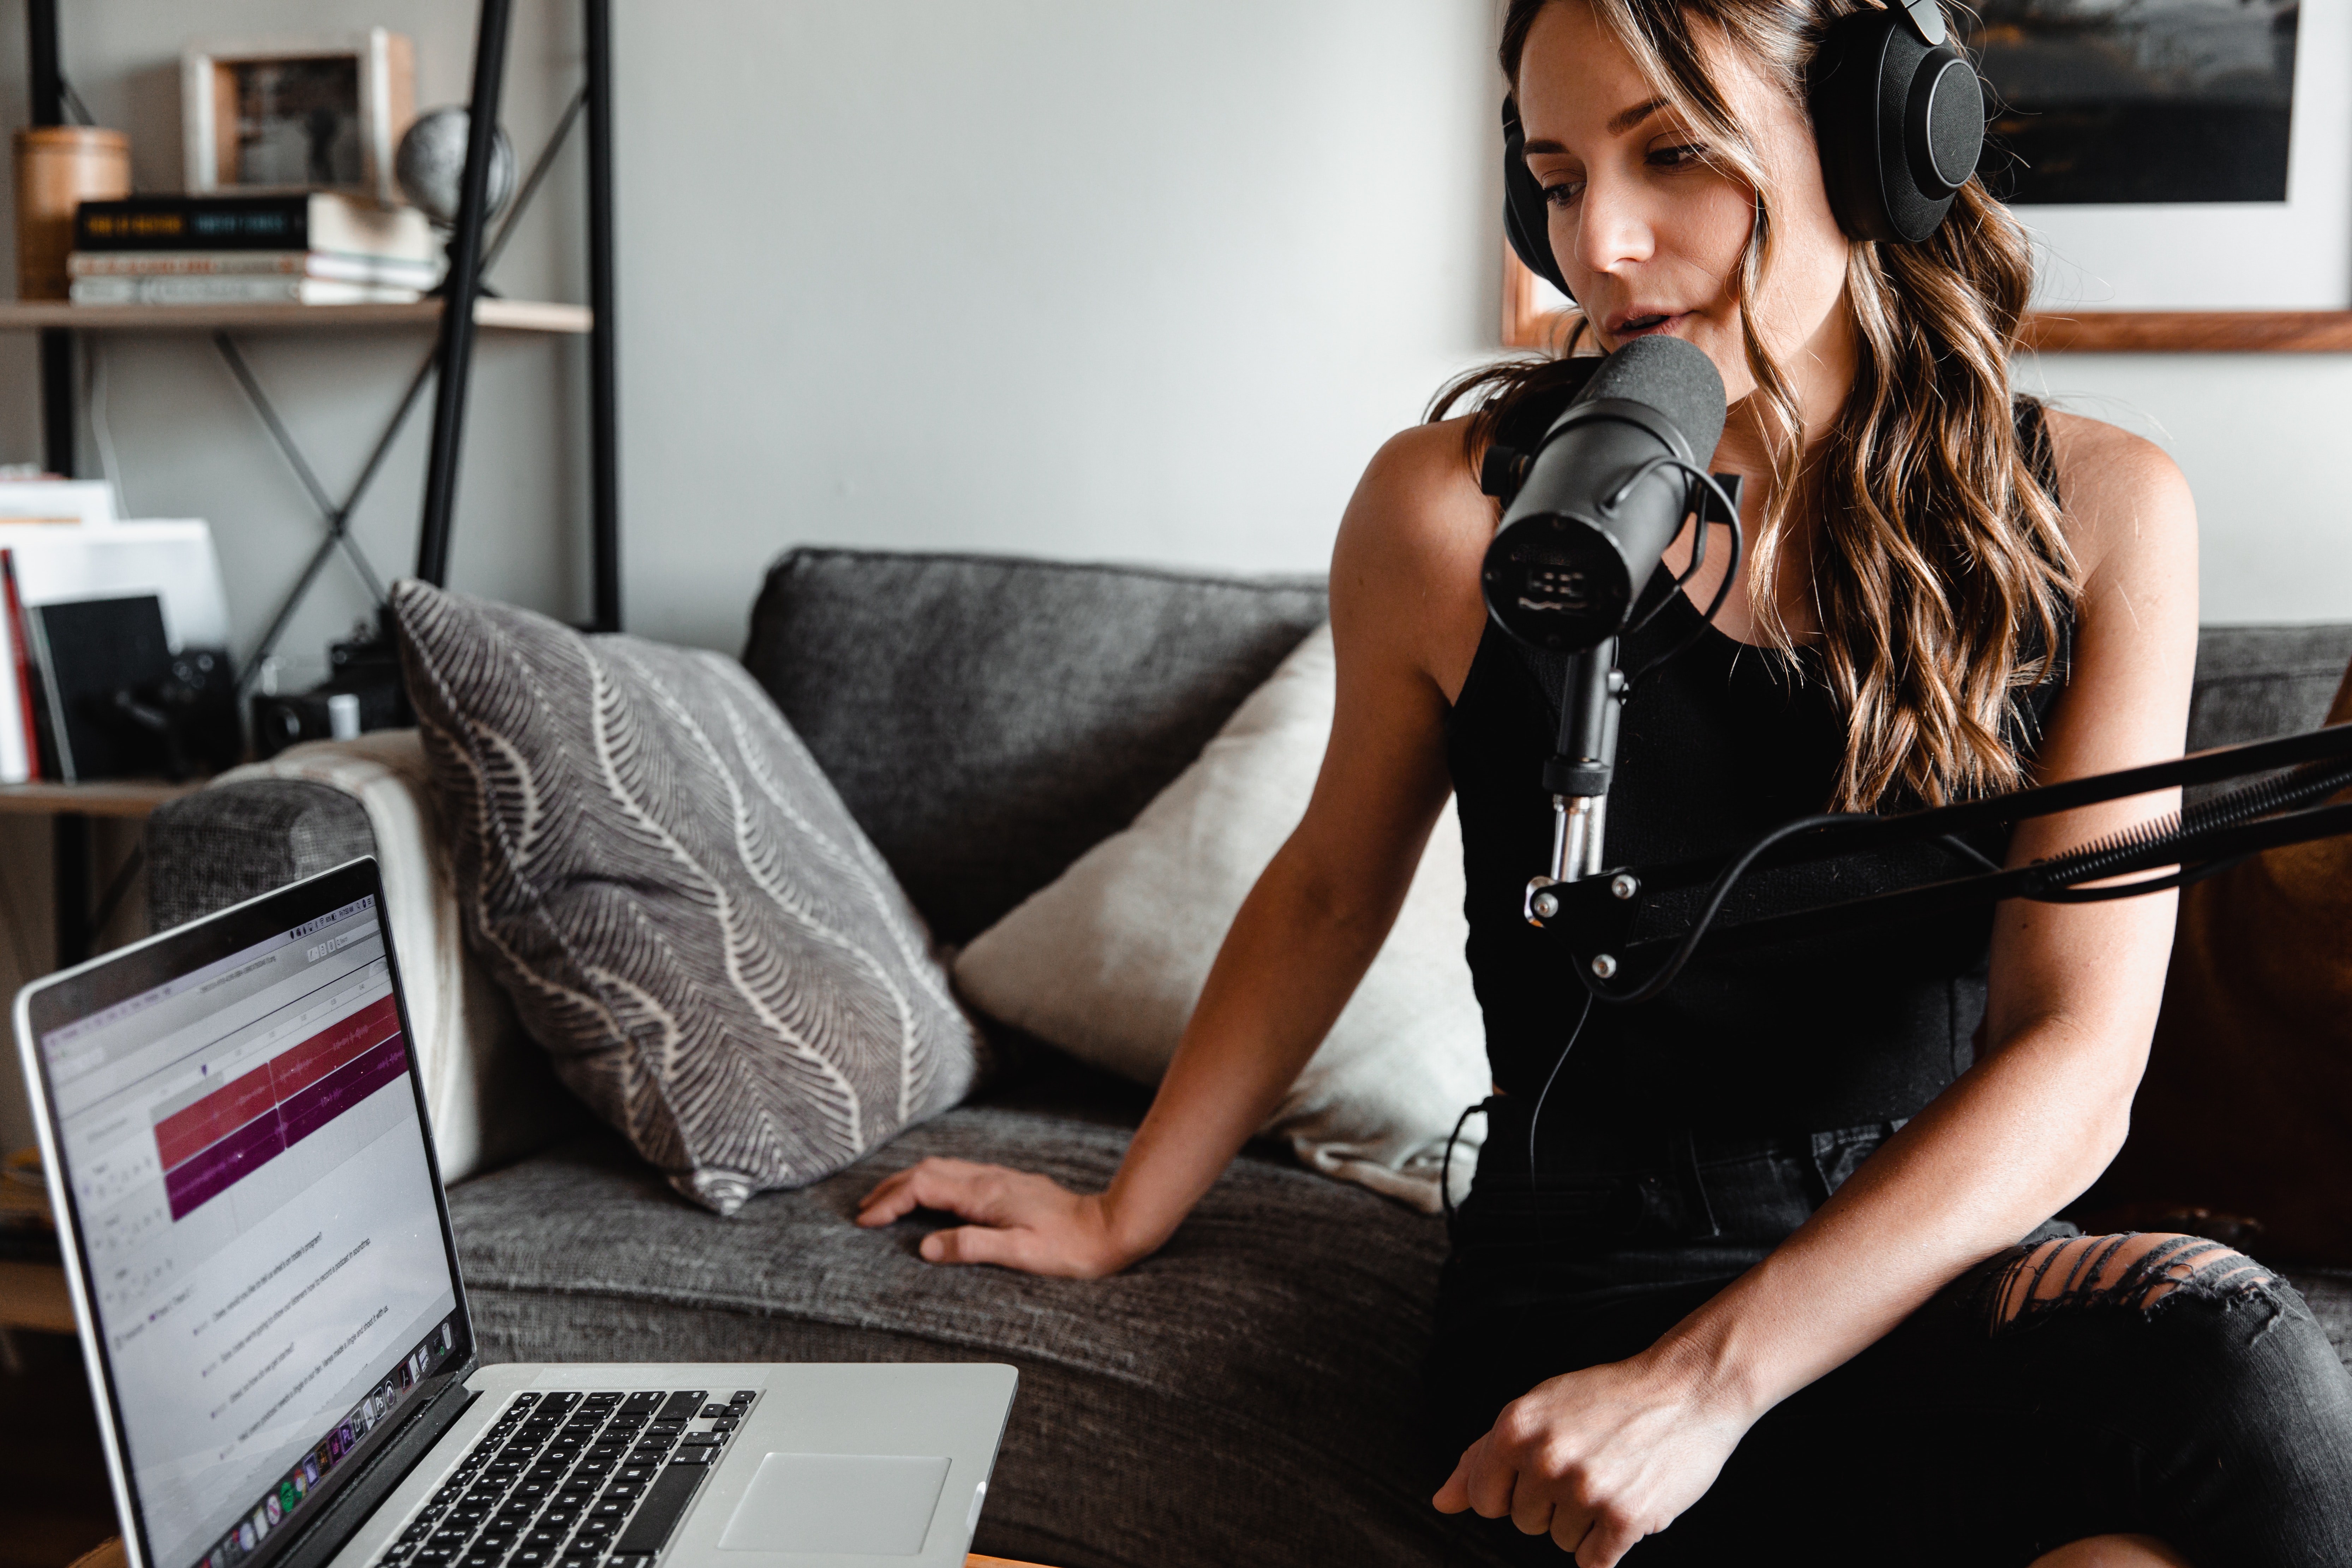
column 1146, row 282
column 2263, row 440
column 1101, row 278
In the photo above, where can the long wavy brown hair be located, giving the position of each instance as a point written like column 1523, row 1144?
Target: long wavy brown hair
column 1939, row 572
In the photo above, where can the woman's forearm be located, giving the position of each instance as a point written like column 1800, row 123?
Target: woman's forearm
column 1294, row 956
column 2000, row 1149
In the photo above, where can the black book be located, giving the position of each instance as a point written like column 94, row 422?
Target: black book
column 96, row 655
column 295, row 221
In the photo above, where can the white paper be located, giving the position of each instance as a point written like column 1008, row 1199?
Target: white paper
column 90, row 502
column 172, row 559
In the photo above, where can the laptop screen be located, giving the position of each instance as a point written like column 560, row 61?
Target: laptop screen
column 260, row 1223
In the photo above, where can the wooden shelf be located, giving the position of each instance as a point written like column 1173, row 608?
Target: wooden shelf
column 507, row 315
column 103, row 797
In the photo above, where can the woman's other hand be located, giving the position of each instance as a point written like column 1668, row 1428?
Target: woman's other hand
column 1019, row 1220
column 1599, row 1458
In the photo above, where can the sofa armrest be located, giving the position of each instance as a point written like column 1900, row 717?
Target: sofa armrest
column 241, row 839
column 490, row 1091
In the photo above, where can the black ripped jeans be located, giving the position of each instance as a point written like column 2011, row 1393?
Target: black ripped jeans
column 2212, row 1414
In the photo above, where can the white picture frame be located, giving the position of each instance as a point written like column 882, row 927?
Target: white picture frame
column 2293, row 256
column 2174, row 277
column 363, row 88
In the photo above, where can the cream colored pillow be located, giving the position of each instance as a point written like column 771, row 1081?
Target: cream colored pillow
column 1107, row 961
column 487, row 1088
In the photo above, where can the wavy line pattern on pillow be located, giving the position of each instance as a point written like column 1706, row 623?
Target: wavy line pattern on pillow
column 685, row 915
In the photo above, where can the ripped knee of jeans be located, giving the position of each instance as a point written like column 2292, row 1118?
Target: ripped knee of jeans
column 2136, row 1271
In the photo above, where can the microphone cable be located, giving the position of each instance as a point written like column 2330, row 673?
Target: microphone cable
column 1534, row 1117
column 1698, row 558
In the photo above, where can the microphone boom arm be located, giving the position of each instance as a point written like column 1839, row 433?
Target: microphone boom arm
column 1596, row 916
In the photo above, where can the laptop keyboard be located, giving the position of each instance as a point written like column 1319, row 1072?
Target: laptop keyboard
column 572, row 1480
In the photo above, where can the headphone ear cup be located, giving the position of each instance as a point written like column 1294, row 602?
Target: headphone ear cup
column 1526, row 215
column 1899, row 122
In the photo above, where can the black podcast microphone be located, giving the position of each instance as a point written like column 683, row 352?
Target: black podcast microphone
column 1607, row 491
column 1604, row 495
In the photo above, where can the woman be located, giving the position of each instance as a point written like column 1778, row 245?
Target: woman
column 1772, row 1266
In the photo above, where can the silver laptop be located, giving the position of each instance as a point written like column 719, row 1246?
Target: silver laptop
column 270, row 1306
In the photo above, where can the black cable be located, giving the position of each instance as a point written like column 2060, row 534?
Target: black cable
column 1698, row 562
column 1715, row 894
column 1535, row 1118
column 1968, row 851
column 1446, row 1165
column 1730, row 569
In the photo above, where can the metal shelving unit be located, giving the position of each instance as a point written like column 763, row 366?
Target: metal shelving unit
column 462, row 309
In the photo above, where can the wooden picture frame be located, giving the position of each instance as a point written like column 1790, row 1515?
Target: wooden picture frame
column 1526, row 324
column 297, row 115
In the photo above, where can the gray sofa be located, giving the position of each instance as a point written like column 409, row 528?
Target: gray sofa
column 1246, row 1395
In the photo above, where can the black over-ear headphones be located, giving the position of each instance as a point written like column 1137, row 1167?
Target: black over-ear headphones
column 1898, row 115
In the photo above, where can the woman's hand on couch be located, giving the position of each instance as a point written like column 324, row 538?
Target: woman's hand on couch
column 1018, row 1219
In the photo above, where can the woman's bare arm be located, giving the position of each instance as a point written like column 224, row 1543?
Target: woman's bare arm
column 2074, row 1000
column 1317, row 916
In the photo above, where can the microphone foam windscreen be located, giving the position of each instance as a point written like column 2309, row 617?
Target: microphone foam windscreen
column 1674, row 378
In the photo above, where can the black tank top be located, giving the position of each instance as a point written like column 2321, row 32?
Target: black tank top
column 1716, row 746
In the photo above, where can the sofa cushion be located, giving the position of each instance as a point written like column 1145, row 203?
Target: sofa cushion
column 2253, row 682
column 680, row 909
column 1245, row 1394
column 1108, row 962
column 1249, row 1394
column 987, row 720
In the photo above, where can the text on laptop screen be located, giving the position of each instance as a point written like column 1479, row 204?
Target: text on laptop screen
column 264, row 1244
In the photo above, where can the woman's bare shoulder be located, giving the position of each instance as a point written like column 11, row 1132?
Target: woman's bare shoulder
column 2120, row 492
column 1404, row 573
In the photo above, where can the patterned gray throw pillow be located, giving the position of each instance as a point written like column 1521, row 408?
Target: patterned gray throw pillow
column 684, row 914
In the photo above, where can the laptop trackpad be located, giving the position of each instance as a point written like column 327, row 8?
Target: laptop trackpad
column 876, row 1505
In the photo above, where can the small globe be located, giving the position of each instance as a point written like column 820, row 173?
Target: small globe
column 431, row 165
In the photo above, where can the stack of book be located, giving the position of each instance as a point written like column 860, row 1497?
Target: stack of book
column 299, row 248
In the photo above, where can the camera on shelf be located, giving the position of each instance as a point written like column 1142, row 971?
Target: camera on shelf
column 179, row 725
column 362, row 691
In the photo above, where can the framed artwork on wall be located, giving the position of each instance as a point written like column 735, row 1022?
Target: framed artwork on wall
column 2184, row 167
column 317, row 114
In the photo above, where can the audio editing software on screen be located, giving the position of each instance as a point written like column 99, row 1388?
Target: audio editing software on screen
column 249, row 1170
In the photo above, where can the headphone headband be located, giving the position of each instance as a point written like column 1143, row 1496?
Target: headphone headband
column 1926, row 19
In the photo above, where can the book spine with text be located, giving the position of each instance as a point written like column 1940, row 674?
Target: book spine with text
column 192, row 223
column 318, row 220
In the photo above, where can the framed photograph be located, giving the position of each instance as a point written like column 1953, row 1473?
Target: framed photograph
column 2184, row 167
column 315, row 114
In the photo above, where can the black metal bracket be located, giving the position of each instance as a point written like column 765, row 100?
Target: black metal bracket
column 337, row 516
